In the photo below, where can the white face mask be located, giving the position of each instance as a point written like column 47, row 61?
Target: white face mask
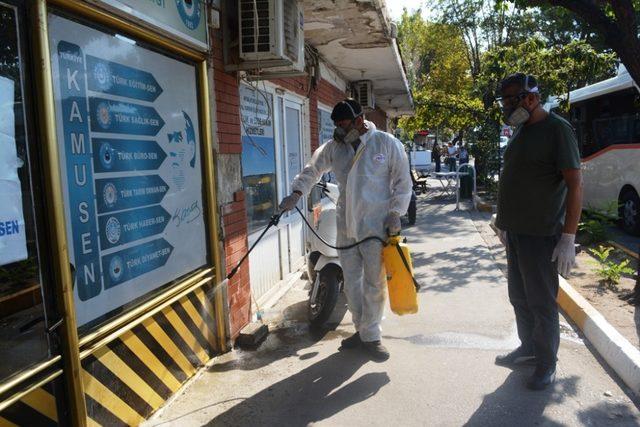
column 516, row 117
column 342, row 135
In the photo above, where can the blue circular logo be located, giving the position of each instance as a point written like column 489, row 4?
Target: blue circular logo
column 189, row 13
column 102, row 76
column 112, row 230
column 110, row 195
column 103, row 115
column 116, row 268
column 106, row 155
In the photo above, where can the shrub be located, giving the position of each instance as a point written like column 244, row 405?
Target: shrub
column 610, row 271
column 594, row 223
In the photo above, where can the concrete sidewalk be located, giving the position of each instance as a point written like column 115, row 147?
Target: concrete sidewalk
column 441, row 369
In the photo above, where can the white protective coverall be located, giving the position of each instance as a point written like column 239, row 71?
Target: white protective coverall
column 373, row 182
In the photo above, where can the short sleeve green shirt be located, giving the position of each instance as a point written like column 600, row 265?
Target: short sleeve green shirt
column 532, row 192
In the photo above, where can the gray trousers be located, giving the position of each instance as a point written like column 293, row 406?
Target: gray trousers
column 533, row 290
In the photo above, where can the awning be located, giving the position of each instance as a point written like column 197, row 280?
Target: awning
column 357, row 38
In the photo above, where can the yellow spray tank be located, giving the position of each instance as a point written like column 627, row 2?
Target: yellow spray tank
column 403, row 288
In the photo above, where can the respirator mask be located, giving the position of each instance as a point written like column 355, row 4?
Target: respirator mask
column 347, row 136
column 517, row 115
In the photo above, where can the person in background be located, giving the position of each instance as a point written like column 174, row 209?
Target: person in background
column 435, row 153
column 463, row 154
column 452, row 151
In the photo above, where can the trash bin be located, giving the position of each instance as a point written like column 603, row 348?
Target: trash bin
column 466, row 182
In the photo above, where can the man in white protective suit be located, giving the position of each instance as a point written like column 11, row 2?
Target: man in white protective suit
column 373, row 177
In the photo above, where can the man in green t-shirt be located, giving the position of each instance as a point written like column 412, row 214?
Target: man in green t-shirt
column 539, row 204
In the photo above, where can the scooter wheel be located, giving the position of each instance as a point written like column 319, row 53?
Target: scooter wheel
column 330, row 278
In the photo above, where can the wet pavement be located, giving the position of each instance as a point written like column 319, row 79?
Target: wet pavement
column 441, row 370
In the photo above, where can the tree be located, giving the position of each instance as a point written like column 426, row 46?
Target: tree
column 438, row 72
column 560, row 69
column 484, row 25
column 615, row 21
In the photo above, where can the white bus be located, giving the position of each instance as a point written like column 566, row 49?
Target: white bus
column 606, row 117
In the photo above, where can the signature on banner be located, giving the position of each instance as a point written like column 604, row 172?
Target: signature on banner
column 187, row 214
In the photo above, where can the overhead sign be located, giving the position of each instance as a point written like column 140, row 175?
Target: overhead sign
column 186, row 19
column 13, row 240
column 130, row 155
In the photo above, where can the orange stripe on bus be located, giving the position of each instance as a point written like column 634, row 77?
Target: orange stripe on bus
column 611, row 148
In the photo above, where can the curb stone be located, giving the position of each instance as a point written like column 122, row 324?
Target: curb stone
column 483, row 206
column 615, row 349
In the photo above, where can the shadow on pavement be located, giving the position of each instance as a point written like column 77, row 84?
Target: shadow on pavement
column 512, row 404
column 452, row 269
column 311, row 395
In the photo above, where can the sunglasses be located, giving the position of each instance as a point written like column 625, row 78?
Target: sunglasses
column 511, row 99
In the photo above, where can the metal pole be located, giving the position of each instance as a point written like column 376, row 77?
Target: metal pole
column 57, row 229
column 212, row 200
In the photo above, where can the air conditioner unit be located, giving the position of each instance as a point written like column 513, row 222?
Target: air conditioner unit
column 271, row 34
column 364, row 94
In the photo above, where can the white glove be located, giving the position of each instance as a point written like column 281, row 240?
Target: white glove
column 564, row 255
column 290, row 202
column 392, row 223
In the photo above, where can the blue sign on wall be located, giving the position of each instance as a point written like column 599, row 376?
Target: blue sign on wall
column 78, row 166
column 117, row 79
column 124, row 227
column 118, row 155
column 132, row 262
column 115, row 194
column 123, row 117
column 129, row 145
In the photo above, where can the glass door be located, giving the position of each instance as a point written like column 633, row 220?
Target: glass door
column 292, row 230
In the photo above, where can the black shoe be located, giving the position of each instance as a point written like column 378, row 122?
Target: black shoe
column 541, row 378
column 353, row 341
column 519, row 356
column 376, row 350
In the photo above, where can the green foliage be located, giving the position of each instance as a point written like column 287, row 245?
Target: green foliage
column 595, row 230
column 455, row 64
column 594, row 223
column 438, row 72
column 559, row 69
column 484, row 147
column 614, row 24
column 609, row 271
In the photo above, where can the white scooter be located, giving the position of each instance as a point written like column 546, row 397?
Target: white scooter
column 324, row 269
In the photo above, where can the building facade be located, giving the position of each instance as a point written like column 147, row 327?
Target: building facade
column 142, row 153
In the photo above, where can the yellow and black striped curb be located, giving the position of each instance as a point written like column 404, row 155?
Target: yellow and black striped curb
column 37, row 408
column 131, row 377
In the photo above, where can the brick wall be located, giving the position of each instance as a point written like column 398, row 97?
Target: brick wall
column 234, row 216
column 228, row 136
column 227, row 102
column 328, row 95
column 379, row 118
